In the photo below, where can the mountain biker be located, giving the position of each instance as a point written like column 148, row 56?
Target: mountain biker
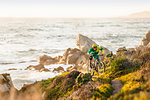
column 94, row 52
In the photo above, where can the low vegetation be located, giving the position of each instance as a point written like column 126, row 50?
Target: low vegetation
column 134, row 75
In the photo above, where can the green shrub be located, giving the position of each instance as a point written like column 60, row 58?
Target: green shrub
column 104, row 78
column 59, row 86
column 103, row 92
column 83, row 78
column 121, row 66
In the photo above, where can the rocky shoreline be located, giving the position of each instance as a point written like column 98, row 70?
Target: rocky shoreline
column 78, row 57
column 75, row 83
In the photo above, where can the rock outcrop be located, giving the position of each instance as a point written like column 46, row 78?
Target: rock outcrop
column 38, row 67
column 74, row 56
column 77, row 67
column 59, row 69
column 84, row 43
column 146, row 40
column 50, row 89
column 131, row 53
column 85, row 92
column 128, row 53
column 47, row 60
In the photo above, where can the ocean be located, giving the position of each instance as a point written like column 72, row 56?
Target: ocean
column 23, row 40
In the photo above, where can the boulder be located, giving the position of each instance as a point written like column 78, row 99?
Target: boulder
column 59, row 69
column 75, row 56
column 65, row 55
column 81, row 68
column 60, row 60
column 83, row 59
column 38, row 67
column 47, row 60
column 84, row 43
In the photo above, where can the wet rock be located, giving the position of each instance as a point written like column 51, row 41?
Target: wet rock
column 38, row 67
column 12, row 69
column 47, row 60
column 60, row 60
column 44, row 69
column 59, row 69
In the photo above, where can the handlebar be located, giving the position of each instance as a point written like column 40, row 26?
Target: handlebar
column 101, row 54
column 98, row 54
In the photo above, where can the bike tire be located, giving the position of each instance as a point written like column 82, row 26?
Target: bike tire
column 98, row 67
column 91, row 69
column 103, row 66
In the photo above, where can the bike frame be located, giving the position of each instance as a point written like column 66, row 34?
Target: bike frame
column 97, row 65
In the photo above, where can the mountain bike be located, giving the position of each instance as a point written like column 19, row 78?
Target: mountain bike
column 96, row 65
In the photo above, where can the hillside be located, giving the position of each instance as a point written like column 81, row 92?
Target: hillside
column 144, row 14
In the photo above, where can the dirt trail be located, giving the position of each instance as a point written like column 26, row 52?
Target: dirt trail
column 116, row 84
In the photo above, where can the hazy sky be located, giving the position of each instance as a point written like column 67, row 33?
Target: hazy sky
column 71, row 8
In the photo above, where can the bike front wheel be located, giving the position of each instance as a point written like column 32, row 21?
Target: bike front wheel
column 101, row 67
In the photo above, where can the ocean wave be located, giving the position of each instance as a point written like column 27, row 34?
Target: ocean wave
column 35, row 29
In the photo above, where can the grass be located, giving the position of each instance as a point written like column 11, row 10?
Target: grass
column 102, row 92
column 134, row 88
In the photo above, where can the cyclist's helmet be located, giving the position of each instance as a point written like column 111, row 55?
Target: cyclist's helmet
column 94, row 45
